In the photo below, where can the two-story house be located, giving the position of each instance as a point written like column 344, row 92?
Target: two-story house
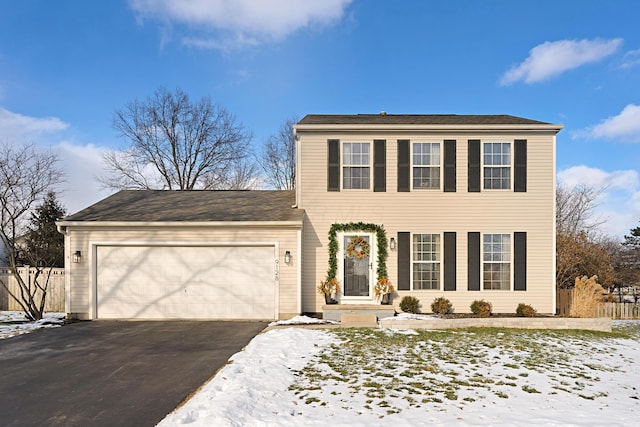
column 467, row 203
column 460, row 206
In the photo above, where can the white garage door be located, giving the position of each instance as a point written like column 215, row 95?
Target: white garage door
column 158, row 282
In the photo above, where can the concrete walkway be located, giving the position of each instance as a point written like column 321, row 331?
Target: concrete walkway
column 110, row 373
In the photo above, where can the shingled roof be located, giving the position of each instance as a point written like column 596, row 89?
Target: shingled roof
column 192, row 206
column 415, row 119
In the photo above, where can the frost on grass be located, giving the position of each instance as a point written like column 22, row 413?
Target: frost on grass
column 380, row 374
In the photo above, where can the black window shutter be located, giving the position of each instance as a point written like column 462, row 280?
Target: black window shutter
column 450, row 165
column 474, row 166
column 449, row 261
column 520, row 173
column 403, row 165
column 379, row 165
column 404, row 261
column 520, row 261
column 473, row 261
column 333, row 170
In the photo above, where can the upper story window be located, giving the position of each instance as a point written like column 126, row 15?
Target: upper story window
column 426, row 261
column 496, row 261
column 497, row 165
column 426, row 165
column 356, row 165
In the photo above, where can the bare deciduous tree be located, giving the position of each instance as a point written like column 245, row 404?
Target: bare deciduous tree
column 580, row 251
column 26, row 177
column 175, row 144
column 278, row 158
column 574, row 209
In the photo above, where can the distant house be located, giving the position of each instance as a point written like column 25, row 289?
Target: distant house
column 460, row 206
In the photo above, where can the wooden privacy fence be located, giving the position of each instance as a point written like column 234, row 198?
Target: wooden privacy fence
column 55, row 290
column 614, row 310
column 619, row 310
column 563, row 301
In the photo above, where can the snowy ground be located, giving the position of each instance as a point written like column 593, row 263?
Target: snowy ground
column 367, row 377
column 14, row 323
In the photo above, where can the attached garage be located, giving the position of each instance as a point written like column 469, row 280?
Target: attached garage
column 185, row 282
column 184, row 255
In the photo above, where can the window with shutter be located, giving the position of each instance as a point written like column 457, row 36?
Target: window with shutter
column 474, row 166
column 403, row 165
column 380, row 165
column 450, row 165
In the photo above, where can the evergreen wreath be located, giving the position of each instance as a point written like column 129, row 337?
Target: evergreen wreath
column 358, row 248
column 381, row 242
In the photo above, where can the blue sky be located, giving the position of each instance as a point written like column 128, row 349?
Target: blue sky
column 65, row 66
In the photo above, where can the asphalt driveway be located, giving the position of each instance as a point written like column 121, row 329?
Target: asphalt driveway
column 110, row 373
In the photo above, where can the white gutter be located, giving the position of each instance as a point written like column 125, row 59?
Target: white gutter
column 63, row 224
column 424, row 127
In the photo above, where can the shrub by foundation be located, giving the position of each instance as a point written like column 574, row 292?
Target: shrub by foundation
column 441, row 306
column 481, row 307
column 410, row 304
column 525, row 310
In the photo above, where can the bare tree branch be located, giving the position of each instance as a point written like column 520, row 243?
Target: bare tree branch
column 174, row 144
column 278, row 157
column 574, row 209
column 26, row 176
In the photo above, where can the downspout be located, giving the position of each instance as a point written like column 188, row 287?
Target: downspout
column 67, row 267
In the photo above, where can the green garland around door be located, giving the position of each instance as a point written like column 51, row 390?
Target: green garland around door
column 358, row 247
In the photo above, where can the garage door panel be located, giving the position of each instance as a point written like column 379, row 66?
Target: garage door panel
column 185, row 282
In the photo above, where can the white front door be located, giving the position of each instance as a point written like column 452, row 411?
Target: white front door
column 357, row 267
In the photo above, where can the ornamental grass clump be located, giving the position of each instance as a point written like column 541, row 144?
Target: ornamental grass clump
column 329, row 287
column 410, row 304
column 587, row 296
column 525, row 310
column 441, row 305
column 383, row 287
column 481, row 307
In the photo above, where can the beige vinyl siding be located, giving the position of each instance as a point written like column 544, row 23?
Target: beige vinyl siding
column 85, row 239
column 489, row 211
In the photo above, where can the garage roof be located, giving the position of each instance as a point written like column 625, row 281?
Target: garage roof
column 192, row 206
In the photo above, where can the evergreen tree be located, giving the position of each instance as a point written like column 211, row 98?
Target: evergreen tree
column 44, row 245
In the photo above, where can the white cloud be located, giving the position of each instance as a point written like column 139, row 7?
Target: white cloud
column 552, row 58
column 14, row 126
column 238, row 23
column 631, row 59
column 624, row 127
column 81, row 164
column 618, row 204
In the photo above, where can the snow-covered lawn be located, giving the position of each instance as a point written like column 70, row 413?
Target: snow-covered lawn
column 14, row 323
column 367, row 377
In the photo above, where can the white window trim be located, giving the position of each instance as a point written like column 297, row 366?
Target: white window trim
column 441, row 262
column 511, row 166
column 343, row 165
column 439, row 188
column 511, row 262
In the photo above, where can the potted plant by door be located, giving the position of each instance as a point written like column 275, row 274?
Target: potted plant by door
column 329, row 288
column 382, row 290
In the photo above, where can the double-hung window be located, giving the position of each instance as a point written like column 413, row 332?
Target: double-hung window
column 496, row 261
column 426, row 261
column 356, row 168
column 497, row 165
column 426, row 165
